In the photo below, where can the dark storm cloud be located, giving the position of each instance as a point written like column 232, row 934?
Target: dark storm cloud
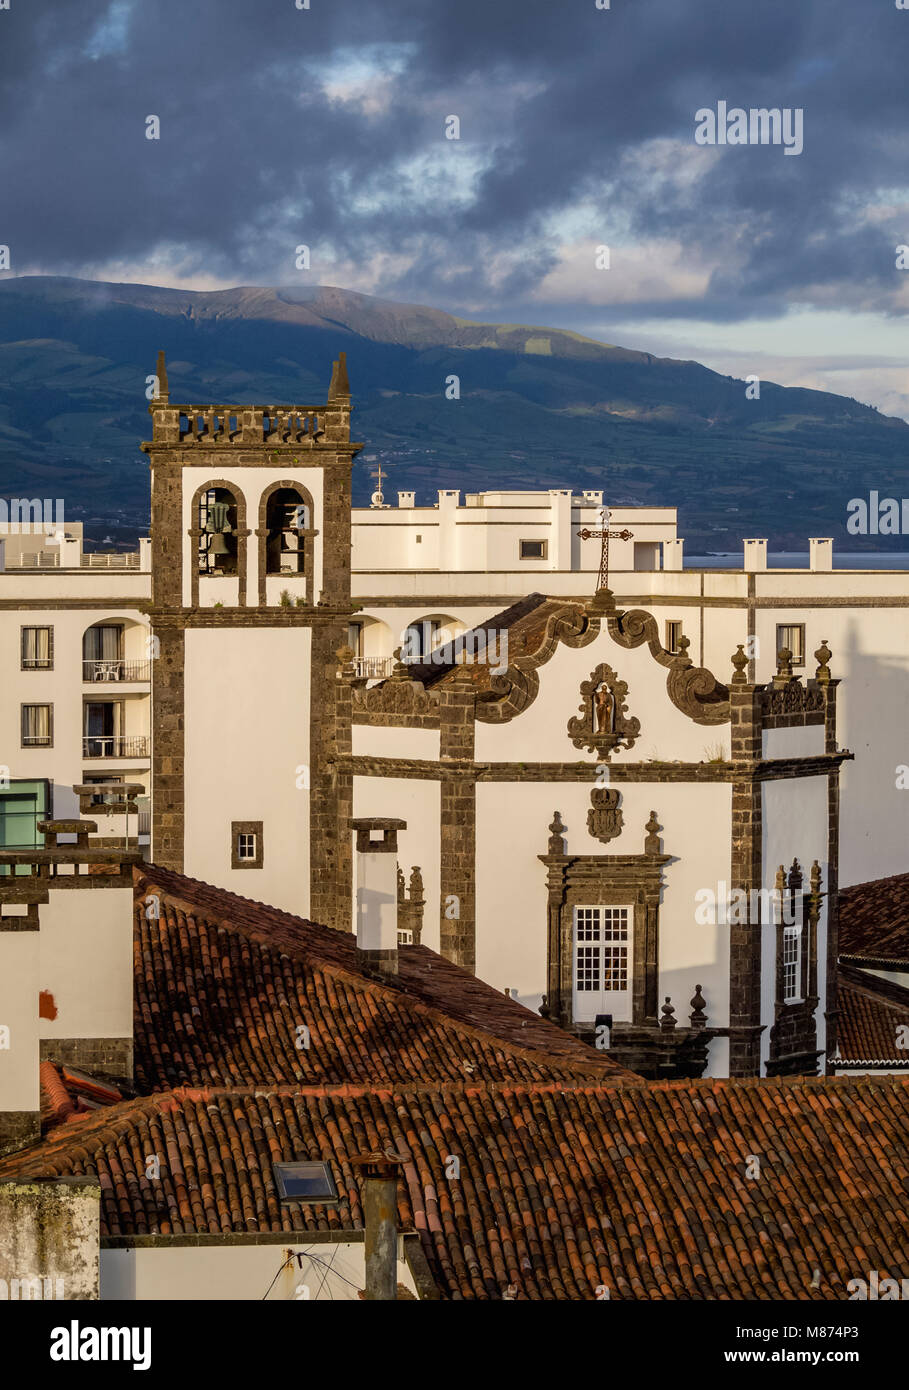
column 559, row 105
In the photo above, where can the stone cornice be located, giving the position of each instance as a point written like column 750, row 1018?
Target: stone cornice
column 306, row 615
column 762, row 770
column 200, row 455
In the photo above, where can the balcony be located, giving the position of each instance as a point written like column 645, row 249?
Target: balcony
column 116, row 669
column 115, row 746
column 375, row 667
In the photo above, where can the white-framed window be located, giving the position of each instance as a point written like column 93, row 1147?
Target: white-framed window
column 792, row 964
column 603, row 962
column 246, row 846
column 792, row 636
column 533, row 550
column 405, row 936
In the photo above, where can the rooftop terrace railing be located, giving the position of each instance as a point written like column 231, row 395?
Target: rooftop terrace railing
column 96, row 560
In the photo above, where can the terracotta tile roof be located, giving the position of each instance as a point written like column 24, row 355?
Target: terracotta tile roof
column 514, row 620
column 66, row 1094
column 874, row 920
column 223, row 986
column 871, row 1011
column 564, row 1186
column 57, row 1104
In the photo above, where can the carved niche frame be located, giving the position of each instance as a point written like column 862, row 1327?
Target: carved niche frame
column 613, row 880
column 622, row 729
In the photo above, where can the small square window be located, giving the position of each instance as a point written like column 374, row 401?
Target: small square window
column 37, row 726
column 792, row 636
column 306, row 1182
column 246, row 844
column 533, row 550
column 673, row 633
column 37, row 649
column 419, row 540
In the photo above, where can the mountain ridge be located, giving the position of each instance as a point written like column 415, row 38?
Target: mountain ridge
column 538, row 406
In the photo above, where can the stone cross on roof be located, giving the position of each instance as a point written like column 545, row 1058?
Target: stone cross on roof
column 604, row 534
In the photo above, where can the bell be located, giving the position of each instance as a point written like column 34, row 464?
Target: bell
column 216, row 518
column 218, row 544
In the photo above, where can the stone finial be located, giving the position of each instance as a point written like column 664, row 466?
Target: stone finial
column 339, row 385
column 668, row 1012
column 740, row 662
column 652, row 839
column 416, row 884
column 698, row 1015
column 684, row 644
column 345, row 656
column 544, row 1010
column 399, row 671
column 795, row 876
column 823, row 654
column 815, row 878
column 401, row 895
column 784, row 664
column 556, row 838
column 161, row 375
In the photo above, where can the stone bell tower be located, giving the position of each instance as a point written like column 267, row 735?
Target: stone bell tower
column 250, row 603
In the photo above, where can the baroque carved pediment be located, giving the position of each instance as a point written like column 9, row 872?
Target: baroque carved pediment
column 510, row 693
column 692, row 689
column 603, row 724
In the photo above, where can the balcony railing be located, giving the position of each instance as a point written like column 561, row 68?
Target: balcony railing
column 50, row 560
column 115, row 746
column 244, row 424
column 122, row 560
column 35, row 560
column 116, row 669
column 375, row 667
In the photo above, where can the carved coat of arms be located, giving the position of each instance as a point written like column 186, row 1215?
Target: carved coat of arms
column 604, row 819
column 602, row 723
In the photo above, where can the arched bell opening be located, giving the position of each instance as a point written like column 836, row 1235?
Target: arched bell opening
column 286, row 538
column 219, row 549
column 288, row 520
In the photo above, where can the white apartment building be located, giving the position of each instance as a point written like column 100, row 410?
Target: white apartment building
column 75, row 643
column 75, row 655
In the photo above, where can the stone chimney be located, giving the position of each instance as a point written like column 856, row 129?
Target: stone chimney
column 375, row 907
column 406, row 499
column 380, row 1211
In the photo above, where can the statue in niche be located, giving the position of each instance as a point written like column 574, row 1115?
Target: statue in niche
column 604, row 709
column 602, row 724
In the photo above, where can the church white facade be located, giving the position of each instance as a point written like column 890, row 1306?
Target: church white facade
column 579, row 769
